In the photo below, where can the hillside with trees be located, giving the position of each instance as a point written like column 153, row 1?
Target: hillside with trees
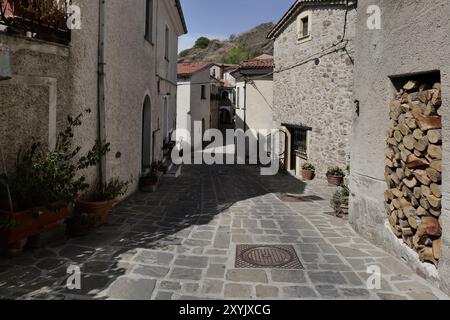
column 237, row 48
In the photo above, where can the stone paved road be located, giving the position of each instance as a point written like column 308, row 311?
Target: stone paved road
column 180, row 243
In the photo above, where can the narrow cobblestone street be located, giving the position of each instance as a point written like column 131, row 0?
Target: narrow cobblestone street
column 180, row 243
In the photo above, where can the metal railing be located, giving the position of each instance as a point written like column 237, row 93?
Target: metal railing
column 40, row 19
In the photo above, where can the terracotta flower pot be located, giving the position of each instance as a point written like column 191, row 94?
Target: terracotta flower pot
column 148, row 184
column 335, row 180
column 25, row 225
column 308, row 175
column 99, row 210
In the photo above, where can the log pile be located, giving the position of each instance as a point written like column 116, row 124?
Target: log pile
column 413, row 162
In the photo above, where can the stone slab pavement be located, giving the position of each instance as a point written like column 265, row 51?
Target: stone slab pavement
column 180, row 243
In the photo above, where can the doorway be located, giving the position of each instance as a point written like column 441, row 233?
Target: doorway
column 146, row 135
column 166, row 120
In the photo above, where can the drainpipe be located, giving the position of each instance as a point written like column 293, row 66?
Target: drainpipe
column 101, row 87
column 5, row 74
column 245, row 105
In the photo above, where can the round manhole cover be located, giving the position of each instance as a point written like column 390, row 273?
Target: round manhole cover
column 267, row 256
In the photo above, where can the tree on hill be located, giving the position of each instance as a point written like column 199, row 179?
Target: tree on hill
column 202, row 43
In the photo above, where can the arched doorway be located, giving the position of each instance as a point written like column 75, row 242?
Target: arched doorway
column 166, row 120
column 146, row 135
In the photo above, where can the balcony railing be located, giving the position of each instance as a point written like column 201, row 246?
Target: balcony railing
column 39, row 19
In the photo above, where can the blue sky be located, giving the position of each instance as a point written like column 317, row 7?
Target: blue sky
column 218, row 19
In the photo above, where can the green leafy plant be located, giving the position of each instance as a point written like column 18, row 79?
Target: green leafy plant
column 335, row 172
column 309, row 167
column 340, row 200
column 202, row 43
column 110, row 190
column 45, row 177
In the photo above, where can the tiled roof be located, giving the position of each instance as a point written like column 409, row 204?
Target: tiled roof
column 191, row 68
column 181, row 14
column 257, row 64
column 298, row 6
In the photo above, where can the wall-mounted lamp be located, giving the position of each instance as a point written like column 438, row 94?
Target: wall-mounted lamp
column 5, row 63
column 356, row 102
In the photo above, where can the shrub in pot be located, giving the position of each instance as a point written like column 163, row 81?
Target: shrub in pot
column 45, row 182
column 308, row 171
column 148, row 181
column 340, row 201
column 335, row 176
column 98, row 203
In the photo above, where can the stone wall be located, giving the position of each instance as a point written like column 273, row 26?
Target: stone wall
column 320, row 95
column 421, row 27
column 51, row 81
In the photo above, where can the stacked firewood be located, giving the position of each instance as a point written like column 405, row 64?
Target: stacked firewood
column 414, row 168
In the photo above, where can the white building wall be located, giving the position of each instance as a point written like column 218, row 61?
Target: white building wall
column 255, row 104
column 200, row 108
column 183, row 109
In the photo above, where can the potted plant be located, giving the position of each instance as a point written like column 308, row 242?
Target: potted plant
column 308, row 172
column 98, row 203
column 335, row 176
column 148, row 182
column 340, row 201
column 43, row 185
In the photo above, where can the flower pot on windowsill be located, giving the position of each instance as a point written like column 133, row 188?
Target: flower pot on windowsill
column 308, row 175
column 335, row 180
column 17, row 227
column 97, row 210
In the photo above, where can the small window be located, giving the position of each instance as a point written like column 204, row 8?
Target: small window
column 203, row 92
column 238, row 98
column 149, row 21
column 166, row 54
column 304, row 26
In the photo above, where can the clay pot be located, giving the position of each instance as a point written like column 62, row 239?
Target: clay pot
column 99, row 210
column 335, row 180
column 148, row 184
column 26, row 225
column 308, row 175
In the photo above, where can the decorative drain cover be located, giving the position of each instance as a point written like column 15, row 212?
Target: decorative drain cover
column 267, row 256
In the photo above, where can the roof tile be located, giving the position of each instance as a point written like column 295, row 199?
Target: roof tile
column 191, row 68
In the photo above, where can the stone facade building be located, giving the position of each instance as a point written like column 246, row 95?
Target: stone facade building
column 121, row 64
column 313, row 82
column 411, row 46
